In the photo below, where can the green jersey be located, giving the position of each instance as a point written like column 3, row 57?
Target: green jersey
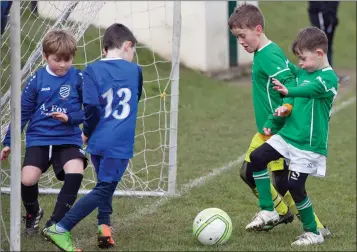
column 269, row 62
column 307, row 127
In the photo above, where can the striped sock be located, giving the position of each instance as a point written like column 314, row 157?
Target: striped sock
column 262, row 181
column 307, row 215
column 279, row 204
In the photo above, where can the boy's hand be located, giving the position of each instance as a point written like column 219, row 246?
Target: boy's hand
column 5, row 153
column 281, row 111
column 280, row 87
column 267, row 131
column 60, row 116
column 84, row 139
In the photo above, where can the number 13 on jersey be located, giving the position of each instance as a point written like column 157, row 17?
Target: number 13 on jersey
column 109, row 95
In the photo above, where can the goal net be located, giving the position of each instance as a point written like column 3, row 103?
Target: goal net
column 152, row 170
column 157, row 26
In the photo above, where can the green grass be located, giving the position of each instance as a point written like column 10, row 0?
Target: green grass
column 215, row 126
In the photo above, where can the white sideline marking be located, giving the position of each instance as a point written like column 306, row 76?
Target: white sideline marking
column 185, row 188
column 343, row 104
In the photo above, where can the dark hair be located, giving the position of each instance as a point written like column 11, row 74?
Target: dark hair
column 310, row 39
column 246, row 16
column 115, row 35
column 60, row 43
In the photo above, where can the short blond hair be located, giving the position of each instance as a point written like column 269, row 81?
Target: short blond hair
column 60, row 43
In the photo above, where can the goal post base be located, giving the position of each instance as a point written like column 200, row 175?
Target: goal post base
column 83, row 192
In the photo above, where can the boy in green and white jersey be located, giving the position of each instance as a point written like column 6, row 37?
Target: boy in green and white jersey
column 247, row 24
column 304, row 137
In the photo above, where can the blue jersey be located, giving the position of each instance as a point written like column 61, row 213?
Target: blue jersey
column 111, row 91
column 43, row 94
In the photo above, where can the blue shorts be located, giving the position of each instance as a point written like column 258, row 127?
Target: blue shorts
column 109, row 169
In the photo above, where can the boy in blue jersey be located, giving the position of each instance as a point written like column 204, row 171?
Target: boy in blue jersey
column 111, row 92
column 52, row 104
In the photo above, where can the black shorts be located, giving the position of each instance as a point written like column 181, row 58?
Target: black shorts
column 56, row 155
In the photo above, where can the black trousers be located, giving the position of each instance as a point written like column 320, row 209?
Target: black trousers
column 329, row 28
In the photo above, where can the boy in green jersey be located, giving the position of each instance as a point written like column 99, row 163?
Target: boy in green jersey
column 247, row 24
column 304, row 137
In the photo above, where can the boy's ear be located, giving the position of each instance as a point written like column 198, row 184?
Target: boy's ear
column 259, row 29
column 104, row 52
column 320, row 53
column 128, row 44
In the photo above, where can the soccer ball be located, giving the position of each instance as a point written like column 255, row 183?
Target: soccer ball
column 212, row 226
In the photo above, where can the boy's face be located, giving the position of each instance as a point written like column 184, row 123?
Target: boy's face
column 248, row 38
column 57, row 65
column 310, row 60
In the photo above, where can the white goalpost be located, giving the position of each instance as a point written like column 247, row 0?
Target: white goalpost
column 157, row 26
column 15, row 109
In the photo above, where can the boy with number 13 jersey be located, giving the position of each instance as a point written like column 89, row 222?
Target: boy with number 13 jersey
column 111, row 91
column 119, row 101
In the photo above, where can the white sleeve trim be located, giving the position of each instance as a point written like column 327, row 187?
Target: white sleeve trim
column 333, row 90
column 326, row 69
column 286, row 69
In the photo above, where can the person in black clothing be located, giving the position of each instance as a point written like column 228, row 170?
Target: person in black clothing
column 323, row 14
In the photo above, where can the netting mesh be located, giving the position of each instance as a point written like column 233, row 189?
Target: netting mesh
column 151, row 23
column 148, row 170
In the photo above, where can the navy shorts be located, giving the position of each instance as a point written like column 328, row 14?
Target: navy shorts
column 109, row 169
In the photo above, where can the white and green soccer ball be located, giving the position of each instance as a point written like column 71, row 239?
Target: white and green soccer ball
column 212, row 226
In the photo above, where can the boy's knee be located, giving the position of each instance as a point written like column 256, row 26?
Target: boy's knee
column 105, row 188
column 257, row 162
column 74, row 166
column 30, row 175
